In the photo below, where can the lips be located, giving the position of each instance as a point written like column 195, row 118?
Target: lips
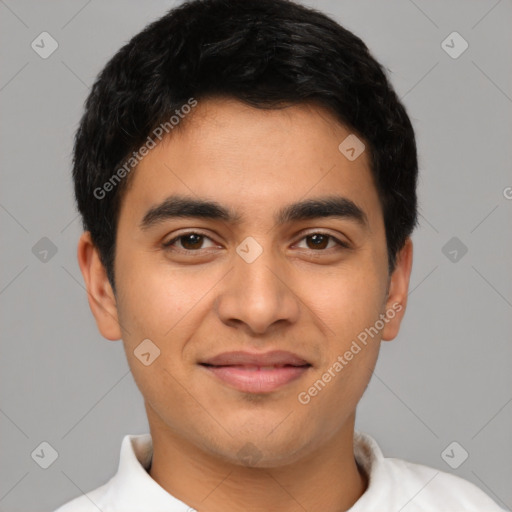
column 239, row 358
column 256, row 373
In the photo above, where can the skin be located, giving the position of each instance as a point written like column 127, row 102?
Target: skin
column 294, row 296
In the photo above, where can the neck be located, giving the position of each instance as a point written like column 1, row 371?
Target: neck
column 328, row 479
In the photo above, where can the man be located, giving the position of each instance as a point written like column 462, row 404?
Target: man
column 247, row 181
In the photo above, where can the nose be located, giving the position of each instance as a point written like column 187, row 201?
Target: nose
column 258, row 295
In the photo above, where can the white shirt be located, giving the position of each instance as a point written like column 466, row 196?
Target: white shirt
column 394, row 485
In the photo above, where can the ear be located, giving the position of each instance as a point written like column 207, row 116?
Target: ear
column 396, row 301
column 102, row 300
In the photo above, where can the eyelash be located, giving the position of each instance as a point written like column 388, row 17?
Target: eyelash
column 168, row 245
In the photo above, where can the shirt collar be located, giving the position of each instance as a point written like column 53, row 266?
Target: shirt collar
column 132, row 488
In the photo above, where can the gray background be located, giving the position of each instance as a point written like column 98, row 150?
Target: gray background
column 446, row 378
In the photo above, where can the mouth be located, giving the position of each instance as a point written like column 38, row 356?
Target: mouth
column 256, row 373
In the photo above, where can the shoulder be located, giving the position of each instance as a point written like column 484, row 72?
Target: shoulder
column 413, row 487
column 437, row 489
column 90, row 502
column 130, row 488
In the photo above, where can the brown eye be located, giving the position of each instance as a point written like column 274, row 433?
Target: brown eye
column 320, row 242
column 189, row 242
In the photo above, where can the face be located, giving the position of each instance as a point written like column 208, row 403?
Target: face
column 307, row 285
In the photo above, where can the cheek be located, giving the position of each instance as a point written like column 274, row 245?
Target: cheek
column 155, row 297
column 155, row 303
column 347, row 300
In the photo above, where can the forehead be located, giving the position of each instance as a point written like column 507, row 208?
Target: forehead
column 251, row 160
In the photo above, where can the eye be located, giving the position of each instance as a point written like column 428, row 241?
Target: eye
column 190, row 242
column 194, row 241
column 319, row 241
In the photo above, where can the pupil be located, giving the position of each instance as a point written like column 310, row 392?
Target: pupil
column 196, row 240
column 318, row 240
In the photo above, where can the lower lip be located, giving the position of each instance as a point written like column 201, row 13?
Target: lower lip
column 250, row 380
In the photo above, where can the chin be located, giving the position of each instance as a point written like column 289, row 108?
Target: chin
column 261, row 451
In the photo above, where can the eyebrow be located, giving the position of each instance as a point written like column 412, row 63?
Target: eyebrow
column 178, row 206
